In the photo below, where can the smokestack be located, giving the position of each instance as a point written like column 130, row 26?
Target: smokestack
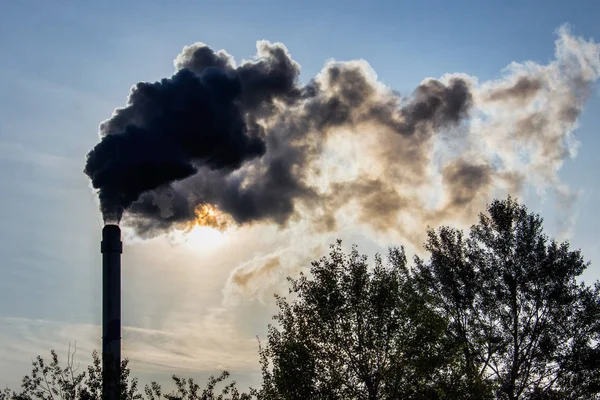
column 111, row 248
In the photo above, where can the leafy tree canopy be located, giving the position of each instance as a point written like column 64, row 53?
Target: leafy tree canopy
column 352, row 332
column 514, row 305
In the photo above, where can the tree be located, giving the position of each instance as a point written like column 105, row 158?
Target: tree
column 187, row 389
column 515, row 309
column 55, row 382
column 357, row 333
column 51, row 381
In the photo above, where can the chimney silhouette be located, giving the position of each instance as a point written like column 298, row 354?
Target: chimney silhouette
column 111, row 249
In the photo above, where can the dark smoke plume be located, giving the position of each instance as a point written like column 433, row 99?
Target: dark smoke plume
column 197, row 118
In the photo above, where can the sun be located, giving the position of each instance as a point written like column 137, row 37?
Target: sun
column 204, row 237
column 208, row 230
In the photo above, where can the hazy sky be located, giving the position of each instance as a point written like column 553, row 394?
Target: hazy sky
column 194, row 304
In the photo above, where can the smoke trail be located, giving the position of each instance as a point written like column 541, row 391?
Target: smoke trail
column 259, row 146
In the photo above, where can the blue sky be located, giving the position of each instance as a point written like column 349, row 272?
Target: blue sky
column 66, row 65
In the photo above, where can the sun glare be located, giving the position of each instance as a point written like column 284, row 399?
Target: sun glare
column 204, row 237
column 207, row 230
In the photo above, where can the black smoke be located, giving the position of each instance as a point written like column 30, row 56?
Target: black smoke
column 197, row 118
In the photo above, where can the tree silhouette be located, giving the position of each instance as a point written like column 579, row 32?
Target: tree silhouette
column 187, row 389
column 55, row 382
column 51, row 381
column 351, row 332
column 523, row 322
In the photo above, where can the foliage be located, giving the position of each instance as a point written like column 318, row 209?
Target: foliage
column 356, row 333
column 514, row 306
column 187, row 389
column 53, row 382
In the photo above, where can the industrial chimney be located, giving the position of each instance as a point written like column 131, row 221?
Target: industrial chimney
column 111, row 248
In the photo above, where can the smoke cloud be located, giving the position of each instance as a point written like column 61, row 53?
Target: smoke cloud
column 259, row 146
